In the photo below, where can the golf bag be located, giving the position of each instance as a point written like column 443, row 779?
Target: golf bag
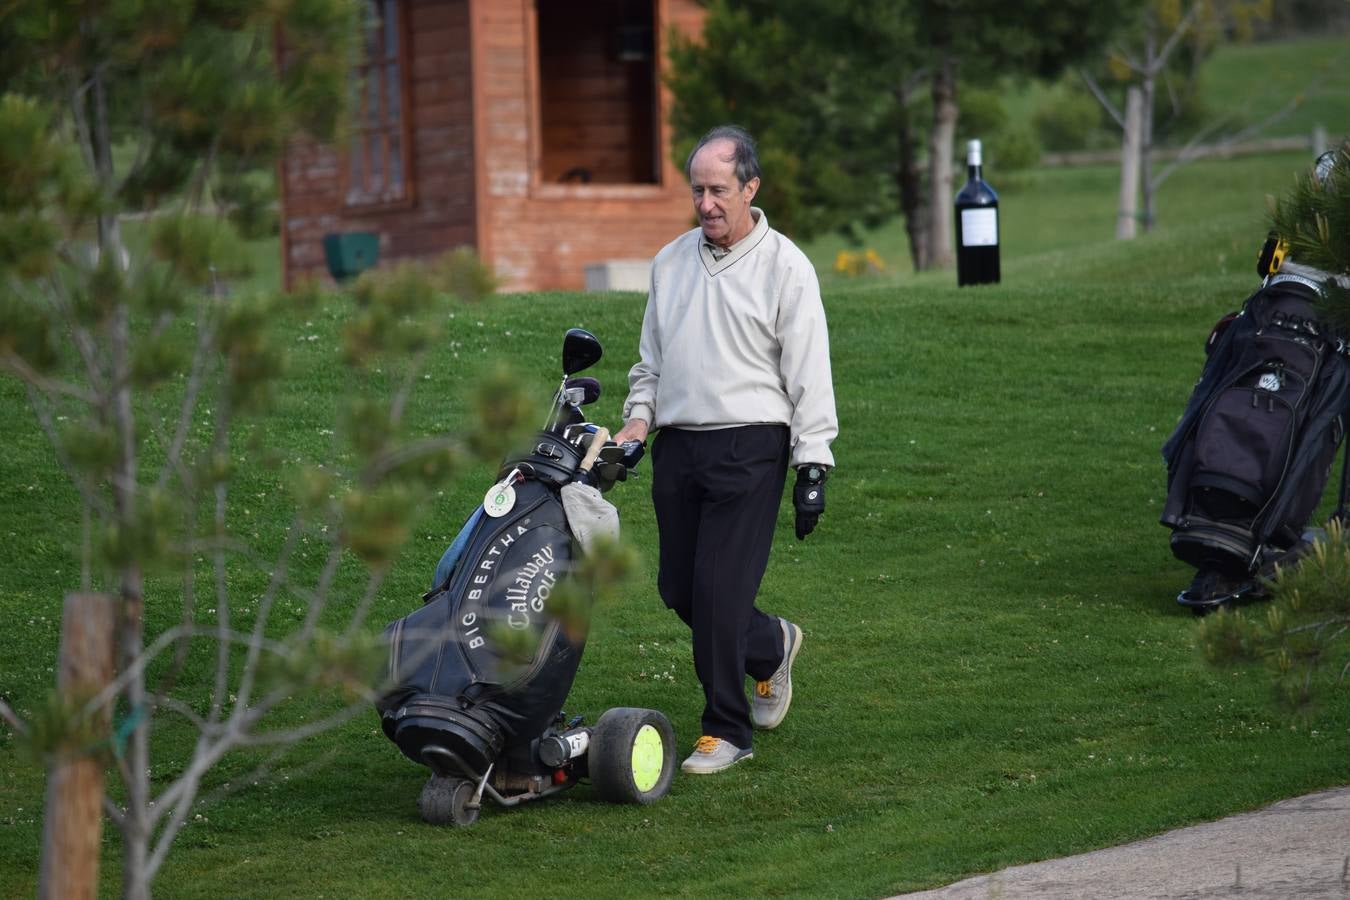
column 456, row 687
column 477, row 676
column 1247, row 464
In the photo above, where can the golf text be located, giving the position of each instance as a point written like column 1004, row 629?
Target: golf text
column 527, row 589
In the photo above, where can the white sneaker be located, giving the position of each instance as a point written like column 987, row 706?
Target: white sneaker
column 771, row 699
column 712, row 754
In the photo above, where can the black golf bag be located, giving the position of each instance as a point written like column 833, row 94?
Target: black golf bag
column 455, row 687
column 478, row 675
column 1247, row 464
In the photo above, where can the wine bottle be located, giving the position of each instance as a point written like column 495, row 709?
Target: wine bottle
column 976, row 226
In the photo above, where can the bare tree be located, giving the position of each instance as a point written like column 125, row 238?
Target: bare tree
column 1145, row 58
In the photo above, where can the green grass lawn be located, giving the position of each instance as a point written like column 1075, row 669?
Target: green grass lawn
column 994, row 670
column 1245, row 84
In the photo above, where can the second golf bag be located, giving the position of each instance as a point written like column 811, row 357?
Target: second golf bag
column 1248, row 461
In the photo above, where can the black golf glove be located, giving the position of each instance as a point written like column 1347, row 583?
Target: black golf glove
column 808, row 497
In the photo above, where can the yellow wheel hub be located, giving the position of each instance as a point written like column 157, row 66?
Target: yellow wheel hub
column 648, row 758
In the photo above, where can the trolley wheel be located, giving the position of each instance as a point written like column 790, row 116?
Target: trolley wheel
column 632, row 755
column 448, row 801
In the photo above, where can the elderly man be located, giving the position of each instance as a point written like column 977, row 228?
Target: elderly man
column 735, row 374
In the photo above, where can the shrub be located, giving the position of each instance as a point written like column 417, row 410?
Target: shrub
column 1015, row 148
column 982, row 115
column 1070, row 119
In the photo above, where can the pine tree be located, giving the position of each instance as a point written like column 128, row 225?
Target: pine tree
column 1304, row 635
column 1314, row 217
column 129, row 134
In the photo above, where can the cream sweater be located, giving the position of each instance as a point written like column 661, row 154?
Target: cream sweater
column 736, row 341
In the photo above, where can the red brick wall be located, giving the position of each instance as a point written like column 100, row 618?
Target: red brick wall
column 439, row 214
column 541, row 235
column 474, row 163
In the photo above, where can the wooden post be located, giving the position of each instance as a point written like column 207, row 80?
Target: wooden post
column 73, row 824
column 1130, row 150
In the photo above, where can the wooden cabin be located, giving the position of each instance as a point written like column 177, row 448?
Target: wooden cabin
column 534, row 131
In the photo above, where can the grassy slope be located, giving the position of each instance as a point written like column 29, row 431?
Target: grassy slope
column 1246, row 83
column 1255, row 81
column 994, row 669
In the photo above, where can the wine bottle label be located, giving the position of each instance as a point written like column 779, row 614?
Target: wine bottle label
column 979, row 228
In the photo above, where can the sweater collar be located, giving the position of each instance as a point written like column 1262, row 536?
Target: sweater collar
column 715, row 258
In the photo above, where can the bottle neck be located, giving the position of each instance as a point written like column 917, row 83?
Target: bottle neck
column 973, row 172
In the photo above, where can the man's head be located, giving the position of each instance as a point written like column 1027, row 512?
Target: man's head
column 723, row 172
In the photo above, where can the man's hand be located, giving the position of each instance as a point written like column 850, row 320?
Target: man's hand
column 808, row 497
column 633, row 429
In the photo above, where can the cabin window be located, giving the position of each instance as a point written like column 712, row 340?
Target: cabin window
column 597, row 92
column 377, row 170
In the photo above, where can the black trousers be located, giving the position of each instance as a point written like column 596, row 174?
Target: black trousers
column 716, row 496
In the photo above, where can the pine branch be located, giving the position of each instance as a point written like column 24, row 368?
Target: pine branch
column 114, row 812
column 90, row 499
column 84, row 342
column 363, row 607
column 7, row 714
column 106, row 697
column 278, row 578
column 19, row 367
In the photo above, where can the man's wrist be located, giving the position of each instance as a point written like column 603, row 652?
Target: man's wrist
column 812, row 473
column 639, row 410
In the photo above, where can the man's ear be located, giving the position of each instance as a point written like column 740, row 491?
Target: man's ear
column 752, row 186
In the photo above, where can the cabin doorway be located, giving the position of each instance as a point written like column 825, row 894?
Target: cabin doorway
column 597, row 90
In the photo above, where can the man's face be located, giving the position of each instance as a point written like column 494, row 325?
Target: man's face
column 722, row 205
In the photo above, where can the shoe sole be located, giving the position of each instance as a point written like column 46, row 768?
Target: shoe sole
column 703, row 770
column 792, row 657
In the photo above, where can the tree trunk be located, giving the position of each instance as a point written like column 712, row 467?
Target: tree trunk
column 1127, row 217
column 72, row 828
column 909, row 180
column 137, row 870
column 1147, row 88
column 136, row 826
column 136, row 873
column 940, row 144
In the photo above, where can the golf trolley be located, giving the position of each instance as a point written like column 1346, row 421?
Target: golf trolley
column 477, row 676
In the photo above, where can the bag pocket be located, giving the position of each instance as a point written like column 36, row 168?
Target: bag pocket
column 1243, row 443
